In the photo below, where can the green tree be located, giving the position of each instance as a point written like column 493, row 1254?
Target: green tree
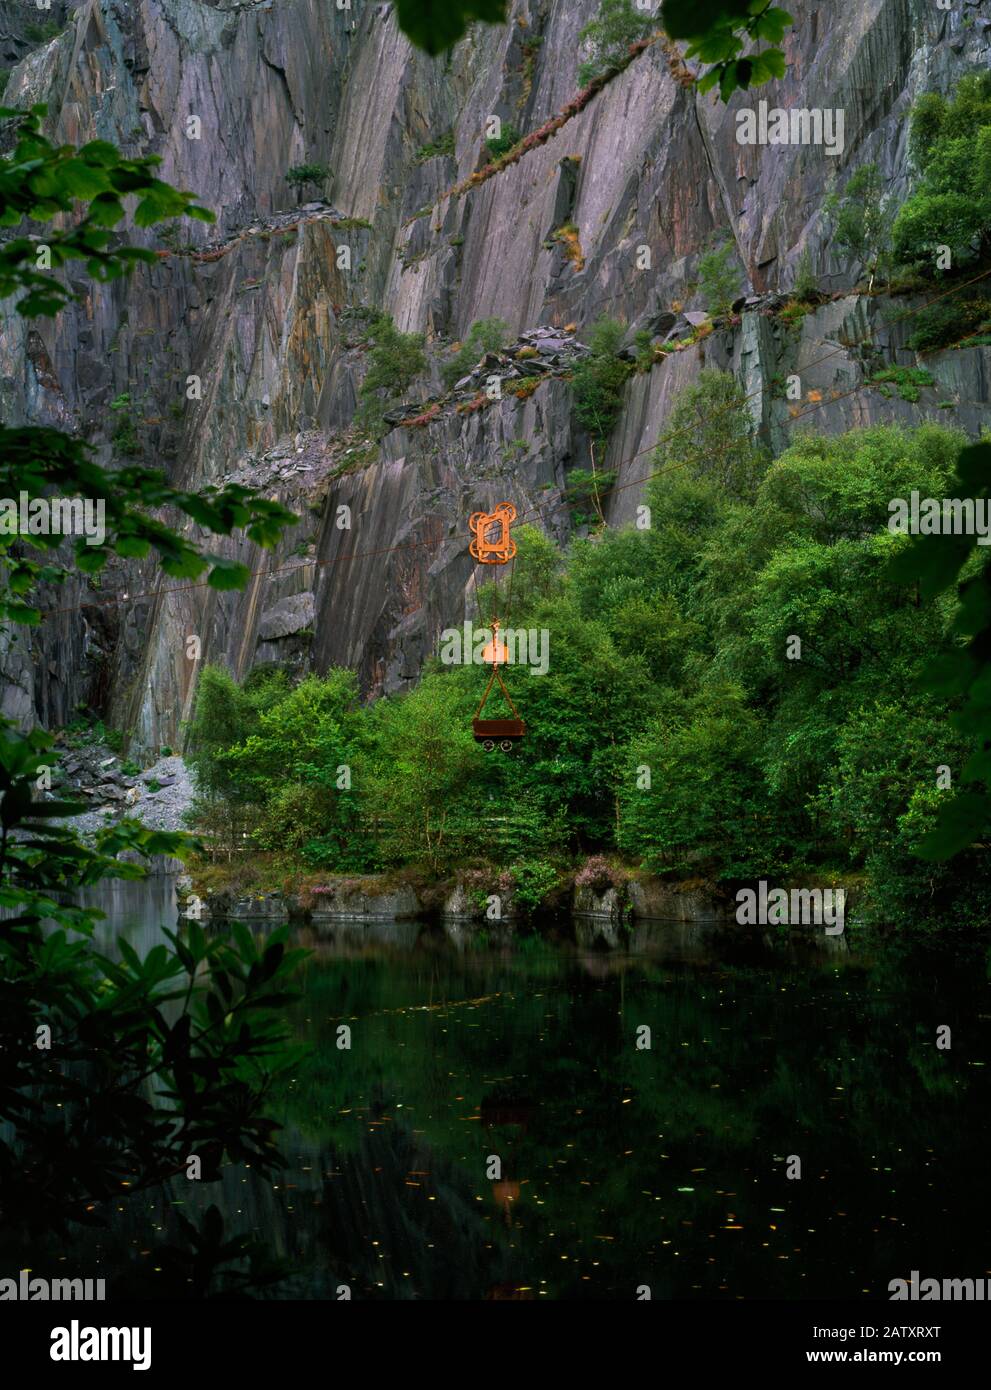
column 226, row 714
column 709, row 434
column 882, row 794
column 863, row 221
column 299, row 175
column 719, row 279
column 297, row 764
column 423, row 778
column 598, row 380
column 395, row 361
column 485, row 335
column 950, row 144
column 704, row 810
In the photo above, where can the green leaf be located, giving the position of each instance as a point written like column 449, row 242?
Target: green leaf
column 227, row 574
column 767, row 65
column 960, row 823
column 932, row 561
column 132, row 547
column 81, row 179
column 974, row 470
column 771, row 25
column 106, row 210
column 687, row 19
column 435, row 25
column 977, row 768
column 101, row 153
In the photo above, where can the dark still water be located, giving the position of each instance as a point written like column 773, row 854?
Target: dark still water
column 495, row 1132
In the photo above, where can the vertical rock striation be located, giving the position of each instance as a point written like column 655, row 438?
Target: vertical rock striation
column 262, row 311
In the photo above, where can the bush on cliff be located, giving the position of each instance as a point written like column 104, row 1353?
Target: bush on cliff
column 485, row 335
column 599, row 379
column 951, row 206
column 608, row 37
column 719, row 280
column 395, row 361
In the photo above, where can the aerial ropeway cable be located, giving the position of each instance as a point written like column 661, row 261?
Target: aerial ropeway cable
column 493, row 545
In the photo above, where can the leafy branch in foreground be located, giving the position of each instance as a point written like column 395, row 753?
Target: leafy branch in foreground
column 106, row 1082
column 41, row 461
column 719, row 31
column 39, row 181
column 435, row 25
column 114, row 1072
column 935, row 563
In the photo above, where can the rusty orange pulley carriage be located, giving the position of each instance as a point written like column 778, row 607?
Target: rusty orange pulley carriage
column 492, row 544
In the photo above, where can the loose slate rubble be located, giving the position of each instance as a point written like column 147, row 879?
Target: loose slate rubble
column 557, row 352
column 88, row 777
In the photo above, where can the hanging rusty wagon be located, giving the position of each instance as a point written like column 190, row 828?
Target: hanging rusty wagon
column 504, row 733
column 491, row 544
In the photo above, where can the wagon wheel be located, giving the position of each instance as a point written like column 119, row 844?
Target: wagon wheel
column 488, row 744
column 506, row 745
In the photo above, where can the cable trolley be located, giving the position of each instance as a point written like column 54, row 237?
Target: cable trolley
column 493, row 545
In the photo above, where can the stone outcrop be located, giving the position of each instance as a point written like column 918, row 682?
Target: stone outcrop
column 260, row 308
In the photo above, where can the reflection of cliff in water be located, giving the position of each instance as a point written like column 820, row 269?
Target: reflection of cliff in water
column 617, row 1164
column 368, row 1220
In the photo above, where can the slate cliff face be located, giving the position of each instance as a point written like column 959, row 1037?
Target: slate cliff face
column 261, row 310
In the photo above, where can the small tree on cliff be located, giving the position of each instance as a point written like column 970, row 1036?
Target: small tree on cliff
column 862, row 221
column 301, row 174
column 598, row 380
column 708, row 435
column 395, row 361
column 609, row 36
column 719, row 279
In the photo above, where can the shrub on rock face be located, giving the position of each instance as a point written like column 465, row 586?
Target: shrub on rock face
column 609, row 37
column 949, row 321
column 719, row 280
column 396, row 360
column 501, row 144
column 950, row 144
column 485, row 335
column 599, row 379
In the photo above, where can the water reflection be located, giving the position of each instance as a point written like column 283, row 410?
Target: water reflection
column 494, row 1131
